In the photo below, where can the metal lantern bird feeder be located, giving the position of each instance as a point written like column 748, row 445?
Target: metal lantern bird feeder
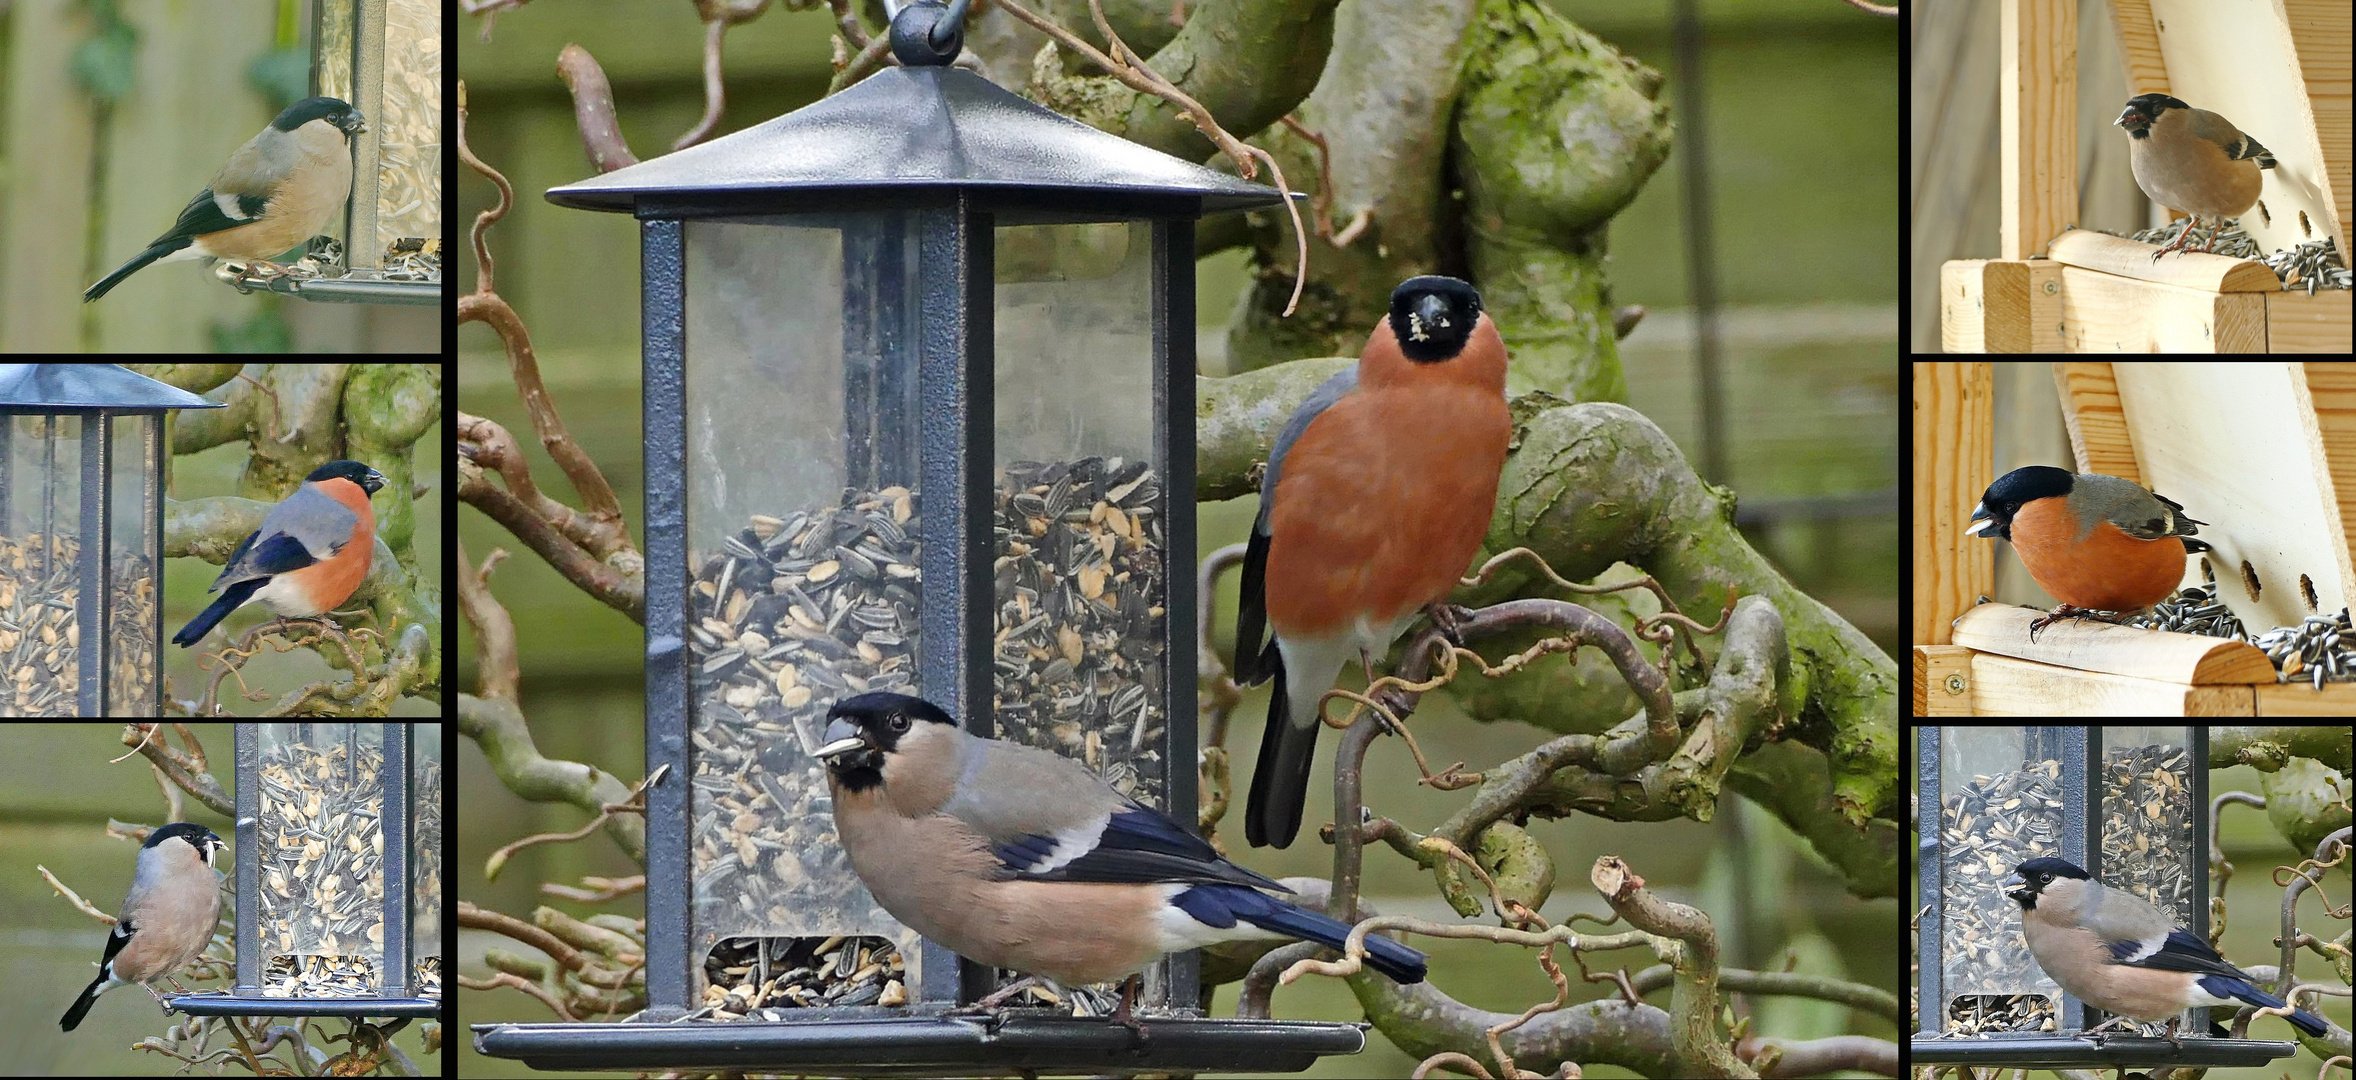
column 919, row 404
column 81, row 537
column 339, row 844
column 385, row 57
column 2126, row 803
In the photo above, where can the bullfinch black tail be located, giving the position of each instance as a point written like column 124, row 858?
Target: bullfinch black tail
column 1280, row 783
column 1251, row 615
column 81, row 1008
column 2226, row 987
column 138, row 262
column 1221, row 905
column 230, row 600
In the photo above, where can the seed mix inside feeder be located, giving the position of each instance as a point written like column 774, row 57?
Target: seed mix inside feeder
column 1988, row 826
column 799, row 609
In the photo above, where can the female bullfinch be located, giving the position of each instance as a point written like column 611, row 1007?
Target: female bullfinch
column 167, row 917
column 309, row 555
column 2192, row 160
column 2095, row 542
column 1018, row 858
column 2124, row 956
column 1377, row 495
column 279, row 189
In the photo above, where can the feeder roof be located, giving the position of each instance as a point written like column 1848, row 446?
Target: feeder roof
column 916, row 128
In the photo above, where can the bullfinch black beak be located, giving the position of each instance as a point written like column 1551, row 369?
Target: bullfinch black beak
column 1431, row 312
column 842, row 739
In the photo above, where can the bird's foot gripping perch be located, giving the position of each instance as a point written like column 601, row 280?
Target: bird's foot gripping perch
column 1125, row 1015
column 1450, row 619
column 2099, row 1032
column 2066, row 611
column 997, row 999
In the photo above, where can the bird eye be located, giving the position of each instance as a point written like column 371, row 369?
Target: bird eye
column 898, row 723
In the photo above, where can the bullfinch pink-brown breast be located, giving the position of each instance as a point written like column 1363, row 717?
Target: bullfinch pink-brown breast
column 1377, row 496
column 1016, row 857
column 311, row 552
column 167, row 917
column 279, row 189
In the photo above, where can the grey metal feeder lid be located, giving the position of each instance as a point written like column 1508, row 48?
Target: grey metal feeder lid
column 940, row 128
column 68, row 387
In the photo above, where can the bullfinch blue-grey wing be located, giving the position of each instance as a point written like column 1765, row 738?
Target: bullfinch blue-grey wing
column 311, row 552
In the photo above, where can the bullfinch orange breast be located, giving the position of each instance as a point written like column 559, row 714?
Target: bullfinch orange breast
column 2095, row 542
column 1377, row 496
column 309, row 555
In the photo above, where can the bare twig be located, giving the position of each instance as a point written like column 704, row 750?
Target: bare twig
column 1320, row 205
column 1357, row 226
column 1124, row 64
column 847, row 21
column 715, row 86
column 1220, row 692
column 870, row 60
column 593, row 109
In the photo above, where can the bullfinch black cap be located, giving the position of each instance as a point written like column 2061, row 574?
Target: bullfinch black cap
column 1433, row 316
column 193, row 833
column 2010, row 492
column 369, row 479
column 2142, row 109
column 335, row 111
column 874, row 705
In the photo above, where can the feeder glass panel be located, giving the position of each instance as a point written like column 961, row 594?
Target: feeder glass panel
column 2001, row 806
column 802, row 515
column 425, row 866
column 2147, row 813
column 1081, row 626
column 320, row 838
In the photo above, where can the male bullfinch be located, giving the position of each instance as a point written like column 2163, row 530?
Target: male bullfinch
column 279, row 189
column 1376, row 498
column 310, row 553
column 1019, row 858
column 2192, row 160
column 2119, row 954
column 166, row 920
column 2095, row 542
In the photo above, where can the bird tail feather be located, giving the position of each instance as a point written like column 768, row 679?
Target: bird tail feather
column 1400, row 963
column 219, row 609
column 1280, row 782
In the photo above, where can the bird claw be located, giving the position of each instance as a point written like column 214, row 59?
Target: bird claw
column 2066, row 611
column 1449, row 620
column 2097, row 1030
column 1126, row 1015
column 995, row 998
column 2099, row 1035
column 2177, row 245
